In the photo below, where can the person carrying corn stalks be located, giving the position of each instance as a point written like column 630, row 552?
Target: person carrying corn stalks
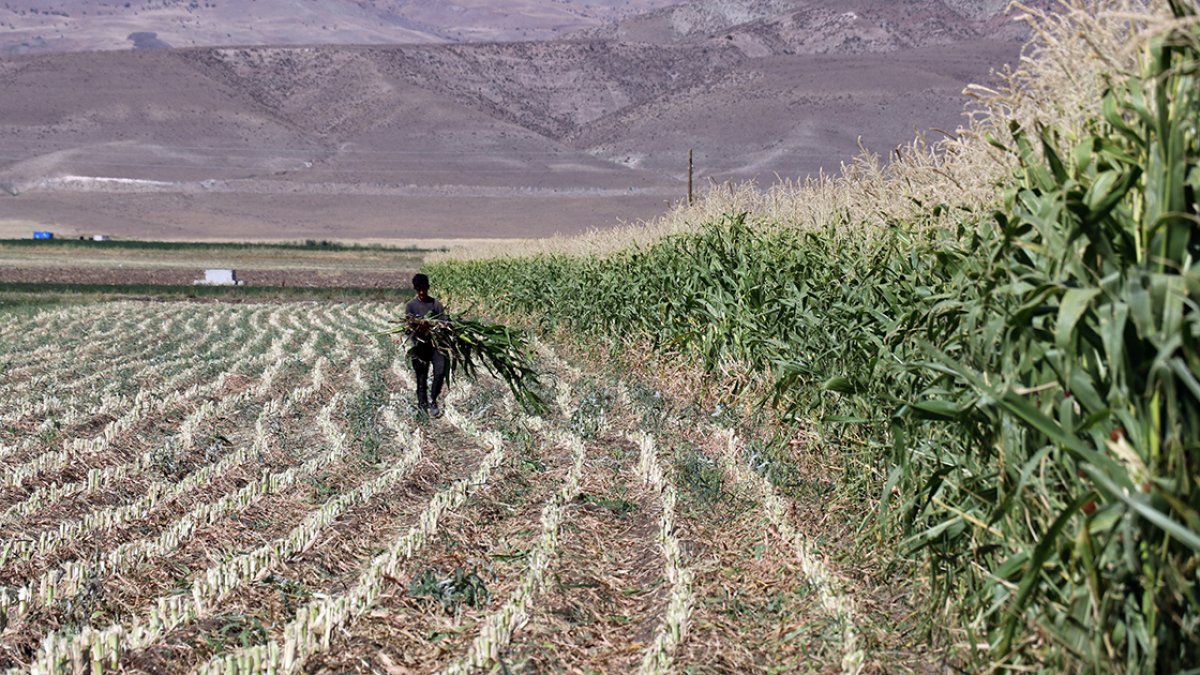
column 421, row 312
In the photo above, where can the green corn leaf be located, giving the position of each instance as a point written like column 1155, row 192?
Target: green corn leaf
column 1031, row 580
column 1075, row 302
column 1110, row 489
column 1185, row 375
column 938, row 410
column 841, row 385
column 1108, row 190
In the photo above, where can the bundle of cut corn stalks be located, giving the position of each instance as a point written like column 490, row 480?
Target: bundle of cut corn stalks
column 468, row 343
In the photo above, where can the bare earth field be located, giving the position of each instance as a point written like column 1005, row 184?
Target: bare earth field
column 111, row 276
column 115, row 265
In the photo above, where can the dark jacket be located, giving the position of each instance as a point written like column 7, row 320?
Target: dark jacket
column 418, row 309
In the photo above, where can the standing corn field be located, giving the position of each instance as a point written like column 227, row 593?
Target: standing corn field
column 1013, row 378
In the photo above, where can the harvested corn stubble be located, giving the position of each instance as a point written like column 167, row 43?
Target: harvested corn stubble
column 467, row 343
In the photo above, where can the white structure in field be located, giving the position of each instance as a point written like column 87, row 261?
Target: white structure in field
column 219, row 278
column 101, row 237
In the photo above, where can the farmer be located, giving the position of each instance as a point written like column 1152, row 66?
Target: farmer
column 422, row 311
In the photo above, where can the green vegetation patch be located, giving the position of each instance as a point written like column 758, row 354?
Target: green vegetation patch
column 1016, row 398
column 451, row 591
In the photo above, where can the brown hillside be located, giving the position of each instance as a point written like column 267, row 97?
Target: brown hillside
column 466, row 140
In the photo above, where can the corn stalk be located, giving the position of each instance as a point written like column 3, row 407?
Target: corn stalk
column 660, row 655
column 467, row 344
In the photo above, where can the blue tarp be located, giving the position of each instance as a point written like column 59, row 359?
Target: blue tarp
column 43, row 235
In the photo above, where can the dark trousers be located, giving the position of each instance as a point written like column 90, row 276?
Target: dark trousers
column 422, row 358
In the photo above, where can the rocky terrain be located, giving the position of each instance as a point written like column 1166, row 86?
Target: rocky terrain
column 446, row 138
column 73, row 25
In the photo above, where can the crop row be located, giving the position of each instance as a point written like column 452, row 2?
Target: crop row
column 312, row 627
column 659, row 656
column 99, row 479
column 73, row 400
column 71, row 334
column 40, row 390
column 62, row 583
column 836, row 603
column 497, row 629
column 59, row 362
column 148, row 402
column 211, row 587
column 43, row 391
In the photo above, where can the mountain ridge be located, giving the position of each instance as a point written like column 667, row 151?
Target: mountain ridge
column 38, row 26
column 500, row 137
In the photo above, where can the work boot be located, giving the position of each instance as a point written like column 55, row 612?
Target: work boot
column 434, row 411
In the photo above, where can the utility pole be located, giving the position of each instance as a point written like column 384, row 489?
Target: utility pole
column 691, row 196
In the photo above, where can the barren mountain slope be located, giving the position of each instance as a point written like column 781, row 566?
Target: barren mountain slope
column 469, row 140
column 551, row 88
column 766, row 27
column 475, row 139
column 73, row 25
column 493, row 115
column 793, row 116
column 150, row 115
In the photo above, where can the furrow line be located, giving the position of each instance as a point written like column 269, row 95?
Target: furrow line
column 498, row 628
column 659, row 656
column 102, row 479
column 313, row 625
column 45, row 357
column 48, row 365
column 50, row 399
column 130, row 342
column 96, row 478
column 70, row 322
column 66, row 581
column 833, row 600
column 29, row 405
column 43, row 316
column 65, row 652
column 147, row 402
column 62, row 321
column 202, row 323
